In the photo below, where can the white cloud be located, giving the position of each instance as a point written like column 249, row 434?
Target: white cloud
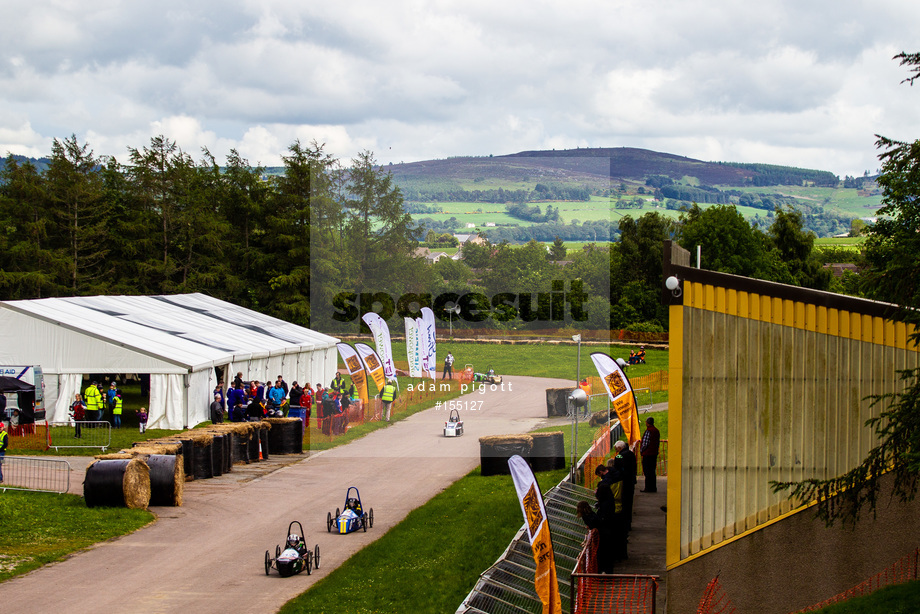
column 779, row 81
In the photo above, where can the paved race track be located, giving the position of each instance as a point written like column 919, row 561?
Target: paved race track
column 207, row 556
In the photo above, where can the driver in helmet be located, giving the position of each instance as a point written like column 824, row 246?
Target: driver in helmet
column 296, row 542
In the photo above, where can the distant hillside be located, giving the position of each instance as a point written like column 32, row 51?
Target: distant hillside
column 592, row 166
column 40, row 163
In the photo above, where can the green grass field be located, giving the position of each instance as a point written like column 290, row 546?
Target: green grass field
column 897, row 599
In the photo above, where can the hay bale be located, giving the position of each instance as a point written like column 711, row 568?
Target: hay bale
column 117, row 483
column 167, row 480
column 548, row 451
column 495, row 450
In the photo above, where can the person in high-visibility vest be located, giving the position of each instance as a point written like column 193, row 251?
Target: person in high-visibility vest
column 4, row 440
column 387, row 395
column 116, row 411
column 93, row 399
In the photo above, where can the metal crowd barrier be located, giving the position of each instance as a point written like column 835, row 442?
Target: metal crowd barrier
column 29, row 473
column 82, row 434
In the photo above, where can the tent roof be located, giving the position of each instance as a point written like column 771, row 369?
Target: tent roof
column 11, row 384
column 188, row 330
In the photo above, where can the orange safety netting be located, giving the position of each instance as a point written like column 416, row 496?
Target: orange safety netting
column 597, row 456
column 329, row 427
column 902, row 570
column 35, row 436
column 714, row 600
column 595, row 593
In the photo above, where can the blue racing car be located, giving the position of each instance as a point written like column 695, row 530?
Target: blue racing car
column 353, row 517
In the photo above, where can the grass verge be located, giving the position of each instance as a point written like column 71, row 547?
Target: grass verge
column 40, row 528
column 426, row 563
column 898, row 599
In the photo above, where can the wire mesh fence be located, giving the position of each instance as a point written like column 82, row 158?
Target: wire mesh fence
column 80, row 434
column 42, row 474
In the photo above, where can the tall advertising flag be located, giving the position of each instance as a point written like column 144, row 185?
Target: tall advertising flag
column 381, row 334
column 621, row 394
column 412, row 348
column 355, row 369
column 429, row 341
column 528, row 492
column 372, row 364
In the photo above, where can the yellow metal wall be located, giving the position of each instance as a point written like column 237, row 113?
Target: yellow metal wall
column 770, row 389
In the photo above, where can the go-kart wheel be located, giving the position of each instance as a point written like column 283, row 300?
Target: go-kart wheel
column 268, row 562
column 316, row 556
column 329, row 522
column 364, row 523
column 308, row 563
column 337, row 513
column 277, row 551
column 371, row 515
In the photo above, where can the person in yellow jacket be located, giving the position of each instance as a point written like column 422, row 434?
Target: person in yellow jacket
column 93, row 399
column 387, row 395
column 116, row 411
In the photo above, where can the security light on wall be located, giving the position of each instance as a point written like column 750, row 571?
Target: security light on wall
column 673, row 284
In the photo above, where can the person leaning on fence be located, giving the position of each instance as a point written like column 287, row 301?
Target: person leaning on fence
column 651, row 440
column 630, row 470
column 388, row 395
column 604, row 521
column 78, row 414
column 142, row 419
column 4, row 442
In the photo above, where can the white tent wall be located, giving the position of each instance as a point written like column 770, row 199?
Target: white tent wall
column 167, row 396
column 199, row 398
column 59, row 394
column 303, row 369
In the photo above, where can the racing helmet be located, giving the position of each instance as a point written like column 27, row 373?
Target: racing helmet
column 293, row 540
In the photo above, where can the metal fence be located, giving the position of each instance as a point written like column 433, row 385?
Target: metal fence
column 27, row 473
column 82, row 434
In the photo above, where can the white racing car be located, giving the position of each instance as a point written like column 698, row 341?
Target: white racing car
column 454, row 425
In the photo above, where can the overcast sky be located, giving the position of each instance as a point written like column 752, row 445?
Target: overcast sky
column 801, row 82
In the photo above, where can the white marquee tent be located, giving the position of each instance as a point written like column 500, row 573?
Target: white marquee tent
column 177, row 339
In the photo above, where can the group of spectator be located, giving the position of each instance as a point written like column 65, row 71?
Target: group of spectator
column 255, row 400
column 97, row 406
column 613, row 511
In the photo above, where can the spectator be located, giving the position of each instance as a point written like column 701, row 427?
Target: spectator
column 142, row 419
column 217, row 410
column 78, row 413
column 296, row 395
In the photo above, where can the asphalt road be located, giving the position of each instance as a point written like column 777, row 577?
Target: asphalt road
column 208, row 555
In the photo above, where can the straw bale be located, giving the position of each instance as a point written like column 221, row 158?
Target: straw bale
column 200, row 437
column 137, row 485
column 171, row 449
column 495, row 440
column 123, row 455
column 271, row 421
column 238, row 428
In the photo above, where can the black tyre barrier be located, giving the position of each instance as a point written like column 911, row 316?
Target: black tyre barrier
column 276, row 437
column 254, row 445
column 495, row 451
column 166, row 480
column 188, row 458
column 548, row 452
column 217, row 455
column 292, row 437
column 202, row 466
column 117, row 483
